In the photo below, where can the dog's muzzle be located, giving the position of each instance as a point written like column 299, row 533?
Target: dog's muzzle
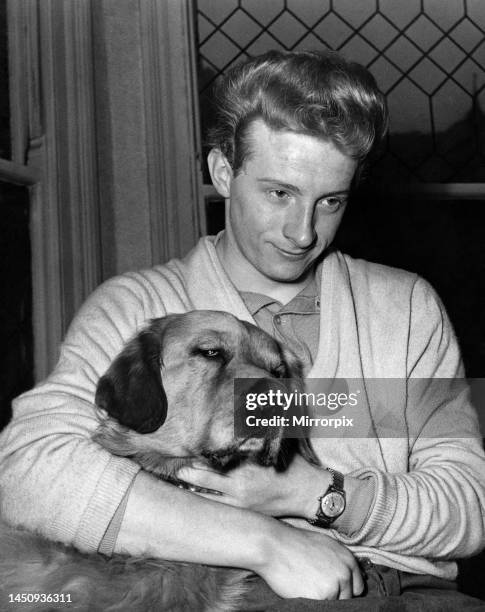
column 260, row 442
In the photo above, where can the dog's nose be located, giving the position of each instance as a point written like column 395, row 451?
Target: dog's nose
column 264, row 395
column 259, row 410
column 260, row 405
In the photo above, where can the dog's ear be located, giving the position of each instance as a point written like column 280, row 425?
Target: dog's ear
column 306, row 451
column 131, row 391
column 294, row 366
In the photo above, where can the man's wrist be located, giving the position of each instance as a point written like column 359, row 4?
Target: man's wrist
column 317, row 483
column 359, row 494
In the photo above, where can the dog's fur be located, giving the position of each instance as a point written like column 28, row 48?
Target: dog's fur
column 166, row 400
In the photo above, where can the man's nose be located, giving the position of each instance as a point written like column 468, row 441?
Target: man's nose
column 300, row 227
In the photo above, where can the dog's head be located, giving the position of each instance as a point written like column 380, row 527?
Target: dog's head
column 170, row 393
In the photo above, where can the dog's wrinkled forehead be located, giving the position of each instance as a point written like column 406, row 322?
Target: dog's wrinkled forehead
column 181, row 358
column 187, row 334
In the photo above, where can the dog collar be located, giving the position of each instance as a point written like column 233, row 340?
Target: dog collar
column 181, row 484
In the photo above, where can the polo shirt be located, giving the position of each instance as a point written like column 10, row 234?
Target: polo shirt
column 297, row 326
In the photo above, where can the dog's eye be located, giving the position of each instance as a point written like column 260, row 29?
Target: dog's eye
column 210, row 353
column 216, row 354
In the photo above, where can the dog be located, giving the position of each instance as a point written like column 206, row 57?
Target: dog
column 166, row 400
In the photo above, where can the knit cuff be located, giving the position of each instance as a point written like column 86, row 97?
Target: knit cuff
column 108, row 542
column 110, row 491
column 380, row 513
column 360, row 495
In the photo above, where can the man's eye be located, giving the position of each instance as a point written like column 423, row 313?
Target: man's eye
column 278, row 194
column 332, row 203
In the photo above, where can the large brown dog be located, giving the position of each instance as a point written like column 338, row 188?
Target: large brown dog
column 166, row 400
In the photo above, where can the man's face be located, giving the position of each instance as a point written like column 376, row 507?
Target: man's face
column 285, row 206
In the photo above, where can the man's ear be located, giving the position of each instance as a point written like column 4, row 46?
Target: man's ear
column 220, row 171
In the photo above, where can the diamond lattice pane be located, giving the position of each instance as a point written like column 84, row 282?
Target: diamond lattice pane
column 355, row 13
column 309, row 11
column 476, row 12
column 287, row 30
column 379, row 31
column 358, row 50
column 217, row 10
column 470, row 76
column 219, row 50
column 447, row 55
column 427, row 76
column 467, row 35
column 241, row 28
column 424, row 33
column 385, row 74
column 264, row 12
column 333, row 31
column 444, row 14
column 398, row 12
column 403, row 54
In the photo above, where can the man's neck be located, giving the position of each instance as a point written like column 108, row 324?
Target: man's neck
column 281, row 292
column 246, row 278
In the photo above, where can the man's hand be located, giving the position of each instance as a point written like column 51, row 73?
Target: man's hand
column 301, row 563
column 293, row 492
column 294, row 562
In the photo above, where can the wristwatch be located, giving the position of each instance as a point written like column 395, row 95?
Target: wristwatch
column 332, row 503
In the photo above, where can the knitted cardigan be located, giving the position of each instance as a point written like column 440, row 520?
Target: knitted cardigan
column 376, row 322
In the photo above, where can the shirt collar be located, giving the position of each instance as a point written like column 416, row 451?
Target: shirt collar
column 308, row 300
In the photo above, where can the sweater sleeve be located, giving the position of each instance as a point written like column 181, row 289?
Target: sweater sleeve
column 436, row 508
column 53, row 477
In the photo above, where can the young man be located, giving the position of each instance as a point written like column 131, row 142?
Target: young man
column 292, row 134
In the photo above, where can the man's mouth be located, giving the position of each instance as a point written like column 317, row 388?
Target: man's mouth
column 292, row 254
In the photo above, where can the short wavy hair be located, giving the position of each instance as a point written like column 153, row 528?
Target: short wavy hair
column 320, row 94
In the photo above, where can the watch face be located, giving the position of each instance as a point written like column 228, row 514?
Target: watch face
column 333, row 504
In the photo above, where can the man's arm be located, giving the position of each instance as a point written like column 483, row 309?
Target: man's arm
column 435, row 509
column 187, row 527
column 54, row 479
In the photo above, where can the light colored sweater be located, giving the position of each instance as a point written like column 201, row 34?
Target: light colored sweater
column 376, row 322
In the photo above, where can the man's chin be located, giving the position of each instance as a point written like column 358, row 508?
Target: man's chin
column 289, row 274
